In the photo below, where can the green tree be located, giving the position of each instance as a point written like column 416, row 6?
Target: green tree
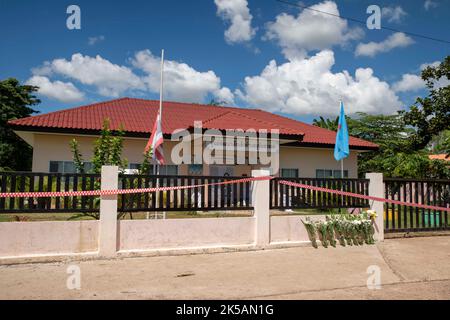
column 15, row 102
column 440, row 143
column 395, row 157
column 107, row 150
column 217, row 103
column 431, row 115
column 330, row 124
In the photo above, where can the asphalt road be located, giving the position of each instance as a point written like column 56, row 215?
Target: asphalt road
column 414, row 268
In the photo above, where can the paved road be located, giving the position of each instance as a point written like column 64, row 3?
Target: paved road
column 415, row 268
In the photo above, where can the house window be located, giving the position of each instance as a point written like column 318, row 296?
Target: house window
column 67, row 167
column 337, row 174
column 88, row 166
column 221, row 170
column 325, row 173
column 289, row 173
column 56, row 166
column 134, row 166
column 321, row 173
column 195, row 169
column 168, row 170
column 62, row 167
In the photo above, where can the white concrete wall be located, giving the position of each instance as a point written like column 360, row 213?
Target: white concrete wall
column 289, row 228
column 49, row 237
column 195, row 232
column 24, row 239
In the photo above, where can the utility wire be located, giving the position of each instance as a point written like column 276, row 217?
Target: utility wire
column 364, row 22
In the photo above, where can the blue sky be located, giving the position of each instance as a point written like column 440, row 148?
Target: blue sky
column 220, row 49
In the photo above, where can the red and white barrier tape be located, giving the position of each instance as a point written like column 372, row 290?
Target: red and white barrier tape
column 362, row 196
column 120, row 191
column 145, row 190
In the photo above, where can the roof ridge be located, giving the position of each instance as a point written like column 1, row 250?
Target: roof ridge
column 268, row 122
column 254, row 119
column 217, row 116
column 303, row 123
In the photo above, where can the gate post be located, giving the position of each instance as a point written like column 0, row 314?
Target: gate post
column 376, row 189
column 260, row 202
column 107, row 231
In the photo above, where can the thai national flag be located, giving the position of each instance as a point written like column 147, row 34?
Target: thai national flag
column 156, row 141
column 341, row 149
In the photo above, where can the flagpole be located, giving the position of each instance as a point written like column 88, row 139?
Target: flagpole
column 342, row 165
column 161, row 84
column 161, row 87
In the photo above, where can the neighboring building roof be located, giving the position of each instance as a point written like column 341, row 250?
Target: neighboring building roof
column 137, row 117
column 443, row 157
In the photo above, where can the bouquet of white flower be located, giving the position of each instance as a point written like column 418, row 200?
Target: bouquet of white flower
column 348, row 228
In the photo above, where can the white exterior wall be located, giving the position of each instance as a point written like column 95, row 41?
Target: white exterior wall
column 307, row 160
column 56, row 147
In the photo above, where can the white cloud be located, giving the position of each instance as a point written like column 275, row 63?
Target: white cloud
column 396, row 40
column 237, row 14
column 181, row 82
column 44, row 70
column 311, row 30
column 94, row 40
column 58, row 90
column 393, row 14
column 414, row 82
column 430, row 64
column 309, row 87
column 224, row 95
column 429, row 4
column 409, row 82
column 110, row 79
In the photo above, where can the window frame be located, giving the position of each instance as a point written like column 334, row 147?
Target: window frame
column 296, row 175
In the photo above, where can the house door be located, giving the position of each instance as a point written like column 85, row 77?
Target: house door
column 223, row 194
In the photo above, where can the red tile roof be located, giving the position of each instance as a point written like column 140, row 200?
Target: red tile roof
column 138, row 115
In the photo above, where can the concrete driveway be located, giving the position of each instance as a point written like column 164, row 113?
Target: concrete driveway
column 415, row 268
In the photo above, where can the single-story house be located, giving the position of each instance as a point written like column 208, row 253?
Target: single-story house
column 305, row 150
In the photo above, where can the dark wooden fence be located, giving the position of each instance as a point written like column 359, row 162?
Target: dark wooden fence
column 48, row 182
column 234, row 196
column 399, row 218
column 210, row 197
column 289, row 197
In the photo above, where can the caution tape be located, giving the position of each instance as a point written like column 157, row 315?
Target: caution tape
column 243, row 180
column 50, row 194
column 362, row 196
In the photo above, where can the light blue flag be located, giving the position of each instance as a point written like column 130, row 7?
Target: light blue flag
column 341, row 149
